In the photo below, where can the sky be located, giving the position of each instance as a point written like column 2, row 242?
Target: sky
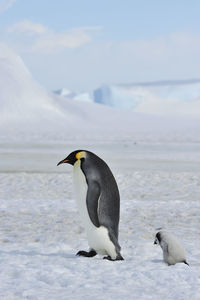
column 83, row 44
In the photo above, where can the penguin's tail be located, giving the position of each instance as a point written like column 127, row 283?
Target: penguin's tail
column 185, row 262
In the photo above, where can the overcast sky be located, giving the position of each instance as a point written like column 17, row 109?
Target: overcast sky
column 82, row 44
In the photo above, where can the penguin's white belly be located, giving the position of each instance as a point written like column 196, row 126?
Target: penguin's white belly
column 98, row 237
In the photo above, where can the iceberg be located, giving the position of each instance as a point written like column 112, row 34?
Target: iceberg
column 162, row 97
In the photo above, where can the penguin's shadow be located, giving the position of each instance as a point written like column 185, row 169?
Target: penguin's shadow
column 157, row 261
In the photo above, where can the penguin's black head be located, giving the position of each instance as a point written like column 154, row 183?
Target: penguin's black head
column 73, row 157
column 158, row 238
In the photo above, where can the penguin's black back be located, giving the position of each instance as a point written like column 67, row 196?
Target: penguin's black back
column 97, row 172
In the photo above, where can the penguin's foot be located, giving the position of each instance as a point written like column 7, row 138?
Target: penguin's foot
column 119, row 257
column 91, row 253
column 108, row 257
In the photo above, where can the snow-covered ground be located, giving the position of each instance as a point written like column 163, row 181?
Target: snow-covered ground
column 40, row 229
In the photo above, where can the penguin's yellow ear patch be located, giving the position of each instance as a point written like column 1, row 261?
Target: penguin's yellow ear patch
column 80, row 155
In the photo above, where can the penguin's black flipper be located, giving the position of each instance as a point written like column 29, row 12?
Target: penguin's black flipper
column 92, row 200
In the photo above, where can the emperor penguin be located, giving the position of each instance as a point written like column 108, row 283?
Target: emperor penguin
column 98, row 203
column 173, row 250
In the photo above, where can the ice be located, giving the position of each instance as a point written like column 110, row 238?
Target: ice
column 83, row 96
column 175, row 97
column 167, row 97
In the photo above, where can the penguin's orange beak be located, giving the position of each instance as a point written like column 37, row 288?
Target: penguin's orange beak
column 63, row 161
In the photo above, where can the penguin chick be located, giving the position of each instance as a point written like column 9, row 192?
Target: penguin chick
column 173, row 250
column 98, row 202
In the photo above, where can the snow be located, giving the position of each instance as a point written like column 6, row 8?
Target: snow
column 155, row 160
column 65, row 92
column 22, row 99
column 83, row 96
column 41, row 230
column 28, row 112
